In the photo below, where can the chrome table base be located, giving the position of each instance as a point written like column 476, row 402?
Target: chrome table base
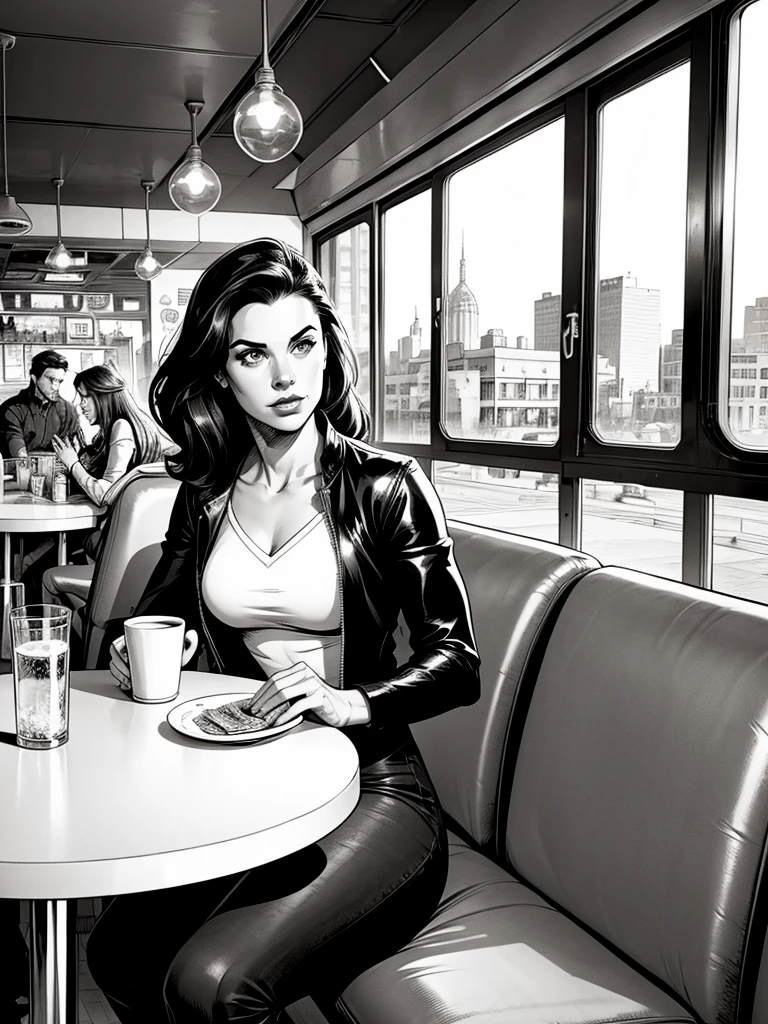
column 53, row 962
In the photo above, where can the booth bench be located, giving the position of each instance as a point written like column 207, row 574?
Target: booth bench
column 607, row 800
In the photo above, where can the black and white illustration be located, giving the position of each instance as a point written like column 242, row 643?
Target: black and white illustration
column 383, row 457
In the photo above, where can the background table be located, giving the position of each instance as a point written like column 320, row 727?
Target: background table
column 21, row 512
column 129, row 805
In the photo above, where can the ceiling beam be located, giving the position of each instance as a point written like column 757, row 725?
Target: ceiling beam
column 395, row 22
column 123, row 44
column 96, row 124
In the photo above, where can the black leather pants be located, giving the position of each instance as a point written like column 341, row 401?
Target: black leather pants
column 242, row 947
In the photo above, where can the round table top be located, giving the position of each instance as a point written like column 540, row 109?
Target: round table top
column 128, row 804
column 26, row 513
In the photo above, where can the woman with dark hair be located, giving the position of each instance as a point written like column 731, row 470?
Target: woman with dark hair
column 312, row 543
column 126, row 438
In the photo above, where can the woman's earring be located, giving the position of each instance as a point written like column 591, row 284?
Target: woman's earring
column 219, row 378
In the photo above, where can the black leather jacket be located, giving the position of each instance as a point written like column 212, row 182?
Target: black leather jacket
column 393, row 551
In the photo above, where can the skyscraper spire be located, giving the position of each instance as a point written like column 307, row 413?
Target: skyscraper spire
column 461, row 309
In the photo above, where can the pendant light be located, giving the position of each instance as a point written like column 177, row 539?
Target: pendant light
column 146, row 266
column 13, row 220
column 267, row 124
column 194, row 186
column 59, row 258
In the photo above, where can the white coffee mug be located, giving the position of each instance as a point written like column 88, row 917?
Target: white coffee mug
column 157, row 647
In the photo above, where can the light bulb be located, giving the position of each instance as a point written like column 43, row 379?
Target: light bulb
column 146, row 266
column 267, row 124
column 59, row 258
column 194, row 186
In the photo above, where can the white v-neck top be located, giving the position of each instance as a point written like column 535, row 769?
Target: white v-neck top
column 286, row 603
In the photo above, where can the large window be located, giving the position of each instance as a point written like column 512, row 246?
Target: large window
column 345, row 261
column 740, row 553
column 406, row 300
column 638, row 527
column 638, row 353
column 632, row 199
column 745, row 309
column 517, row 501
column 501, row 317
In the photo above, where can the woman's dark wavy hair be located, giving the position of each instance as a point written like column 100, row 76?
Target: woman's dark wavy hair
column 204, row 419
column 114, row 401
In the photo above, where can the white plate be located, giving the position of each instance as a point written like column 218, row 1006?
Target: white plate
column 181, row 718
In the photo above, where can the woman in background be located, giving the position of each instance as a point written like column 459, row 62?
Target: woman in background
column 126, row 438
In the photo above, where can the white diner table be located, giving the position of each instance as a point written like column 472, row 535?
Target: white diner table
column 129, row 805
column 22, row 512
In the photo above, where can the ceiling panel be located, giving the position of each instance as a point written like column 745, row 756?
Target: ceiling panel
column 226, row 157
column 260, row 187
column 192, row 24
column 387, row 10
column 344, row 45
column 96, row 89
column 130, row 156
column 424, row 25
column 42, row 151
column 345, row 104
column 113, row 85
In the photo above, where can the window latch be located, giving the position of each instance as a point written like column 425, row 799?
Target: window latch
column 570, row 334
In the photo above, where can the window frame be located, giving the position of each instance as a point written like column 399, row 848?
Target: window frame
column 514, row 454
column 704, row 462
column 364, row 216
column 415, row 188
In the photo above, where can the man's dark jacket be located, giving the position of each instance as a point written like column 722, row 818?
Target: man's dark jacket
column 29, row 422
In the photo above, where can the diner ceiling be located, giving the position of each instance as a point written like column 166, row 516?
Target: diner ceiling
column 96, row 91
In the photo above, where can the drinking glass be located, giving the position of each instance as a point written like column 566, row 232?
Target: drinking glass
column 41, row 674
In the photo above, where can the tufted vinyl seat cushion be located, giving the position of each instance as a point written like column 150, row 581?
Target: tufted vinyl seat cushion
column 513, row 584
column 640, row 794
column 497, row 953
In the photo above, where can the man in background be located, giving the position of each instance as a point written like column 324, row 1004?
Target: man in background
column 29, row 420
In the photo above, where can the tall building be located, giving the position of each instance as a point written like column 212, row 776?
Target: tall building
column 345, row 268
column 671, row 365
column 629, row 333
column 461, row 313
column 546, row 322
column 756, row 326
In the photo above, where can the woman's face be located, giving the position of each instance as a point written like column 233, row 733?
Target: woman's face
column 87, row 405
column 276, row 361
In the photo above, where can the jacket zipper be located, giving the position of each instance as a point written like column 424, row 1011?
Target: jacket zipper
column 330, row 525
column 198, row 587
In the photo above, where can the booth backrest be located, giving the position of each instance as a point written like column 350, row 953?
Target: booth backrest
column 513, row 585
column 639, row 802
column 137, row 525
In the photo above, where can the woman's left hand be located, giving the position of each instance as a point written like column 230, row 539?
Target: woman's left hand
column 65, row 451
column 307, row 691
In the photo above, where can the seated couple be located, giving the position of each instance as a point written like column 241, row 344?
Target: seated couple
column 126, row 438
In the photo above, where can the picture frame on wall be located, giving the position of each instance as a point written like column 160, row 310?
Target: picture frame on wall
column 79, row 329
column 13, row 362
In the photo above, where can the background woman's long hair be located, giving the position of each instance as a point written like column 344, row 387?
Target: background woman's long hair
column 203, row 418
column 113, row 402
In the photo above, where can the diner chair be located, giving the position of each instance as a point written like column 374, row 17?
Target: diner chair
column 138, row 521
column 70, row 584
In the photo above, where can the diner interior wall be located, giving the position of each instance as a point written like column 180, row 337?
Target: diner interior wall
column 205, row 236
column 168, row 302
